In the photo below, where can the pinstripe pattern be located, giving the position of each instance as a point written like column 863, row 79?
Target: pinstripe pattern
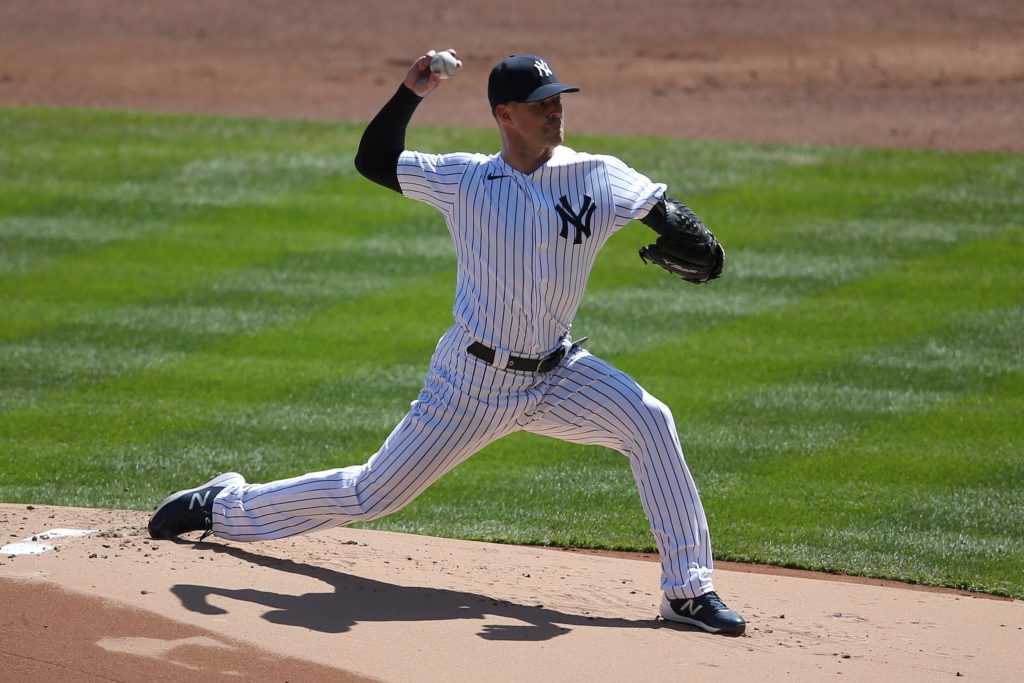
column 519, row 284
column 522, row 268
column 590, row 402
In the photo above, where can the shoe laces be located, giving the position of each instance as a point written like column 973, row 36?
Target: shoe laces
column 713, row 601
column 208, row 522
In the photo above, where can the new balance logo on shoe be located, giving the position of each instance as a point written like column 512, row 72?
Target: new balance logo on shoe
column 689, row 606
column 191, row 509
column 196, row 499
column 716, row 618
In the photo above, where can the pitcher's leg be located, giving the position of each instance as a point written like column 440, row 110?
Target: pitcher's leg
column 591, row 402
column 440, row 431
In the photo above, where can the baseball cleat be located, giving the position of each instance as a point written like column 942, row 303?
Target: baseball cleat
column 707, row 612
column 191, row 509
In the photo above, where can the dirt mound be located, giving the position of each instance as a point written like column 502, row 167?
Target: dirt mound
column 349, row 604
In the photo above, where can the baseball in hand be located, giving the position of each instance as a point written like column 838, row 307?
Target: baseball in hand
column 444, row 64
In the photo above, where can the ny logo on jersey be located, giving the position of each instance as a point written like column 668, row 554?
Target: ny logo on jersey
column 542, row 68
column 579, row 219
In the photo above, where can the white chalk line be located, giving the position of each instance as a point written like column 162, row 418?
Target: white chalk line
column 33, row 544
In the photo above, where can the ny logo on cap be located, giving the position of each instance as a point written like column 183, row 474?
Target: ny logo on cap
column 542, row 68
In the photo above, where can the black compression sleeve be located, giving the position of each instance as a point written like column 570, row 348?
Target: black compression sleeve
column 384, row 139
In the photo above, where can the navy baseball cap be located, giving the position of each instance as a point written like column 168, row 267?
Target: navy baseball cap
column 523, row 78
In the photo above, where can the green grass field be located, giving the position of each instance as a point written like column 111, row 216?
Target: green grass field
column 185, row 295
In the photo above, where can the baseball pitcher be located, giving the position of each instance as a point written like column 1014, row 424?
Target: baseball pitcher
column 527, row 224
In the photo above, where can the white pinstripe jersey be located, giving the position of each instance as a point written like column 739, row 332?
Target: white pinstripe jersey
column 526, row 243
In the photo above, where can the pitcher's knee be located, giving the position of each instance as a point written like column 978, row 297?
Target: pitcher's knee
column 656, row 428
column 379, row 502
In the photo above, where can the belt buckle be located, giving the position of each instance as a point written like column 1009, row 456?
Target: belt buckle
column 552, row 359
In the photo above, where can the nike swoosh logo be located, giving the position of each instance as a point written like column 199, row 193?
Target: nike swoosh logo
column 491, row 176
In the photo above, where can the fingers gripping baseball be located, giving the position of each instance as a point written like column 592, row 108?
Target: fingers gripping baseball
column 427, row 72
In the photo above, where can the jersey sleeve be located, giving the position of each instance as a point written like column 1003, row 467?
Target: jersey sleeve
column 433, row 178
column 634, row 193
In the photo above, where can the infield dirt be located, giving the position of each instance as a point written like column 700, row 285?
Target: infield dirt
column 926, row 73
column 354, row 605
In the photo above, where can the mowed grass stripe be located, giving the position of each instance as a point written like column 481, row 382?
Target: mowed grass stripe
column 818, row 331
column 821, row 218
column 176, row 260
column 845, row 325
column 304, row 352
column 125, row 174
column 282, row 292
column 322, row 310
column 212, row 197
column 201, row 410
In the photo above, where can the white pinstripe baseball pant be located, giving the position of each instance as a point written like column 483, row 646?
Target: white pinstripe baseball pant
column 465, row 405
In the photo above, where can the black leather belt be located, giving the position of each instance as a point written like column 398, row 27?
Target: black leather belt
column 545, row 364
